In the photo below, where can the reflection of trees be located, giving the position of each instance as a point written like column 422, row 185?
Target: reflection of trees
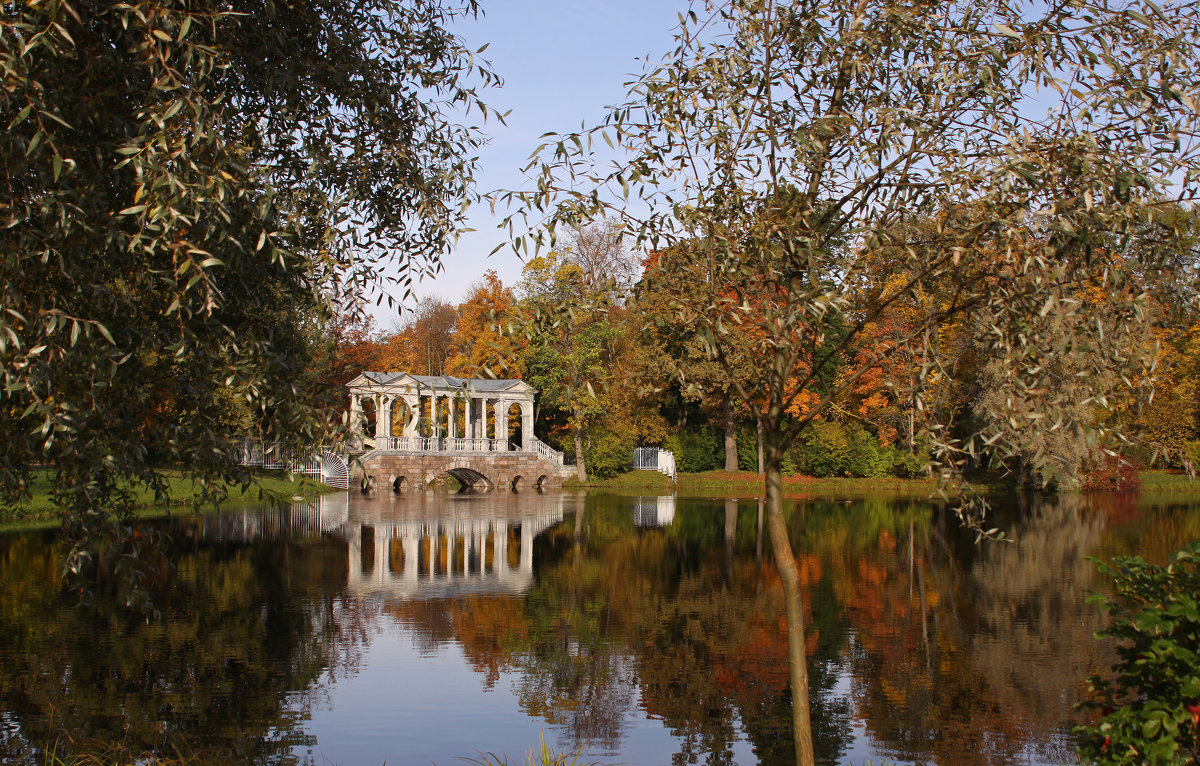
column 1033, row 645
column 948, row 653
column 981, row 665
column 241, row 627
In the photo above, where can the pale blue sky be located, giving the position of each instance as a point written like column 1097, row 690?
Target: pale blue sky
column 562, row 63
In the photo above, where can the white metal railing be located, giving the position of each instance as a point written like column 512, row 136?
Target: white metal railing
column 654, row 459
column 320, row 463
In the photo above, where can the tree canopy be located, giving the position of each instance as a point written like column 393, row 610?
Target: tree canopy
column 1037, row 139
column 188, row 188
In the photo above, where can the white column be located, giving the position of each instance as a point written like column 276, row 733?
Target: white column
column 410, row 424
column 449, row 416
column 500, row 413
column 527, row 426
column 356, row 415
column 383, row 414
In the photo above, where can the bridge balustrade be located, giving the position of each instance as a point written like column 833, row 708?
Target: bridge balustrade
column 440, row 444
column 546, row 451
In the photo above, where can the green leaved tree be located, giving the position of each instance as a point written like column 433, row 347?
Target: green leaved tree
column 188, row 188
column 789, row 142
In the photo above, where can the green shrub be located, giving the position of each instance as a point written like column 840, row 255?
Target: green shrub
column 833, row 449
column 905, row 464
column 696, row 451
column 607, row 453
column 823, row 449
column 747, row 448
column 1151, row 705
column 866, row 458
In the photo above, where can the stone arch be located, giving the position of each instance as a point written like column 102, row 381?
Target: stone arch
column 472, row 480
column 540, row 484
column 399, row 484
column 517, row 482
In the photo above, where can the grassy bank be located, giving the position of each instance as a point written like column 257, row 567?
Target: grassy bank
column 182, row 493
column 744, row 483
column 747, row 483
column 1174, row 483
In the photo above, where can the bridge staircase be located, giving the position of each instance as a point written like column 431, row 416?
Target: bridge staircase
column 323, row 464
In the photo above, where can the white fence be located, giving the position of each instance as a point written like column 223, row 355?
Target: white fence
column 323, row 464
column 654, row 459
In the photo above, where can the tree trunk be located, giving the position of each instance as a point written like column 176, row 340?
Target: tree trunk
column 580, row 469
column 731, row 456
column 789, row 574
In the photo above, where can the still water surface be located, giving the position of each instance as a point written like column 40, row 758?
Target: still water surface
column 427, row 628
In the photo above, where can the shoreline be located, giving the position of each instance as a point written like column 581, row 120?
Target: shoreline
column 183, row 495
column 1162, row 484
column 269, row 486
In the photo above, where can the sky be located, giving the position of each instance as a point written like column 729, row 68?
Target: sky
column 562, row 63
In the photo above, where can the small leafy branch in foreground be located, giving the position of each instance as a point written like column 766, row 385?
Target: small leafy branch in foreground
column 545, row 756
column 1151, row 705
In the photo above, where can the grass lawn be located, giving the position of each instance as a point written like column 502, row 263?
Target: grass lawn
column 182, row 493
column 1168, row 483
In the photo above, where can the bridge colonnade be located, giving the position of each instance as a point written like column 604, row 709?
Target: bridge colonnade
column 441, row 406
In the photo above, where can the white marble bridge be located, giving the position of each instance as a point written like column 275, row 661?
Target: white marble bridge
column 412, row 429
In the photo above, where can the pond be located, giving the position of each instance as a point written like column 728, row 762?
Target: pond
column 430, row 628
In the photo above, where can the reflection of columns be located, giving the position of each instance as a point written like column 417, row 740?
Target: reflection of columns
column 527, row 545
column 381, row 553
column 409, row 573
column 499, row 547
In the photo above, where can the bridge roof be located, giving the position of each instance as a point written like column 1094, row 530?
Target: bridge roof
column 393, row 380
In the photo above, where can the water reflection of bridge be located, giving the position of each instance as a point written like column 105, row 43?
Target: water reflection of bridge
column 481, row 546
column 427, row 546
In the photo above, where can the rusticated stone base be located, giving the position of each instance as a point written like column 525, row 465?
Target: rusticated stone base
column 399, row 471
